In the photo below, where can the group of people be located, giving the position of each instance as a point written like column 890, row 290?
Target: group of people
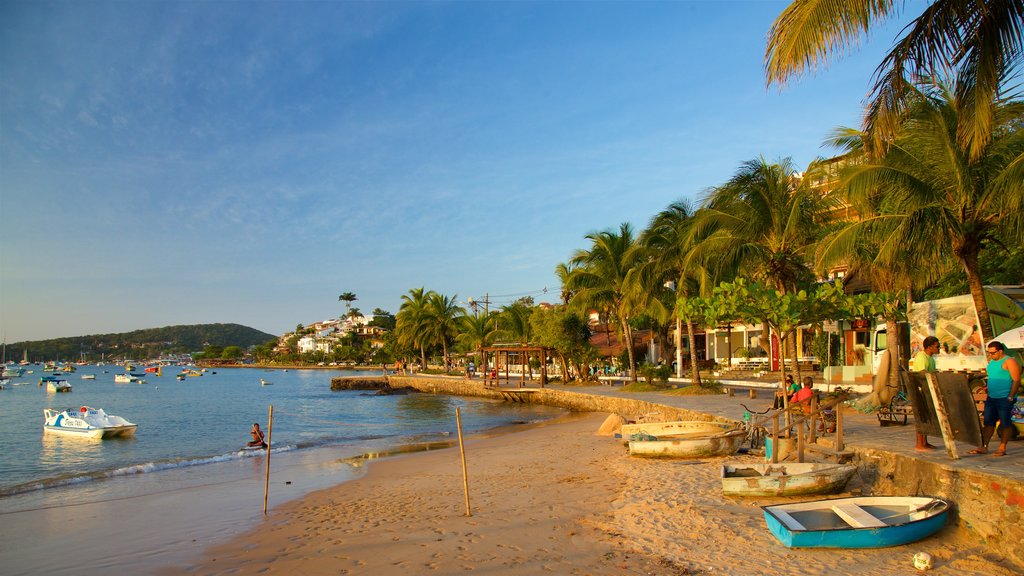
column 1003, row 384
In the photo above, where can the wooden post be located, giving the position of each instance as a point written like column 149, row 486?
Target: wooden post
column 753, row 392
column 839, row 426
column 775, row 439
column 943, row 416
column 732, row 391
column 462, row 452
column 266, row 480
column 800, row 441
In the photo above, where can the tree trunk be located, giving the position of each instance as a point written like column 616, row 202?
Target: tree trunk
column 423, row 358
column 794, row 356
column 970, row 262
column 679, row 347
column 728, row 346
column 694, row 369
column 565, row 367
column 628, row 334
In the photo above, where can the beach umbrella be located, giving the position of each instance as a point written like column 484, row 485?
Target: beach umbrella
column 1012, row 338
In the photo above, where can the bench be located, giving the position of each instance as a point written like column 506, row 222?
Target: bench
column 787, row 520
column 857, row 517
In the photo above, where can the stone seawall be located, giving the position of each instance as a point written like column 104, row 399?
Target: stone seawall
column 575, row 401
column 989, row 508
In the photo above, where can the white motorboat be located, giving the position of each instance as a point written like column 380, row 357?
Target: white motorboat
column 58, row 385
column 265, row 382
column 86, row 422
column 88, row 376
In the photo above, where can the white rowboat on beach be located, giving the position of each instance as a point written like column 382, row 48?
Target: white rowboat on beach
column 785, row 479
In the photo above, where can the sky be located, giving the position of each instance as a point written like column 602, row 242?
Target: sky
column 168, row 163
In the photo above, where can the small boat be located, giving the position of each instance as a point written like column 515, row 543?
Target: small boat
column 857, row 522
column 180, row 377
column 265, row 382
column 721, row 440
column 88, row 376
column 58, row 385
column 86, row 422
column 124, row 378
column 785, row 479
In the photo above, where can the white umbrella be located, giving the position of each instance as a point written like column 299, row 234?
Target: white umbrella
column 1012, row 338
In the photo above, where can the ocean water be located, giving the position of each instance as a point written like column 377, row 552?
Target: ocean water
column 183, row 482
column 205, row 420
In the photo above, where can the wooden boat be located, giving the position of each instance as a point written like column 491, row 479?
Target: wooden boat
column 696, row 445
column 785, row 479
column 858, row 522
column 674, row 428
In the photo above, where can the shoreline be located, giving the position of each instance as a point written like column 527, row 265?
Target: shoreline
column 555, row 498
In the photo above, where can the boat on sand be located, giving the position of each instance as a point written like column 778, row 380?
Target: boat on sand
column 857, row 522
column 722, row 440
column 785, row 479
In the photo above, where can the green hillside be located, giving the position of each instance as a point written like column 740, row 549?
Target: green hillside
column 148, row 343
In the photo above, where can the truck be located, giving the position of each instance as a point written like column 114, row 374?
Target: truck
column 954, row 321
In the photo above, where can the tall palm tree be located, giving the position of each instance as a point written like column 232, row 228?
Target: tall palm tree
column 669, row 242
column 763, row 222
column 348, row 298
column 936, row 198
column 412, row 322
column 601, row 278
column 980, row 41
column 441, row 321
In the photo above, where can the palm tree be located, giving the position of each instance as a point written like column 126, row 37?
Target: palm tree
column 441, row 321
column 348, row 298
column 668, row 241
column 601, row 279
column 764, row 222
column 476, row 332
column 977, row 40
column 411, row 322
column 935, row 198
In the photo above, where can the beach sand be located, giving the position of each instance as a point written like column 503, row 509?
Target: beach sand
column 552, row 499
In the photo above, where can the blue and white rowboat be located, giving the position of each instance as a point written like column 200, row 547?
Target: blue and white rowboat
column 858, row 522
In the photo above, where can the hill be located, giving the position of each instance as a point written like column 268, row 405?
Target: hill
column 148, row 343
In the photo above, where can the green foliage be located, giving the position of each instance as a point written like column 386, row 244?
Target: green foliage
column 825, row 347
column 231, row 353
column 148, row 343
column 653, row 373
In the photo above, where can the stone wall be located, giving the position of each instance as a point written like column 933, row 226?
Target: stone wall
column 575, row 401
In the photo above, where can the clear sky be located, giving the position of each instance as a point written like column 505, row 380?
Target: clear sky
column 167, row 163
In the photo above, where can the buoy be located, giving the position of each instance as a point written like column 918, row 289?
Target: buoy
column 923, row 561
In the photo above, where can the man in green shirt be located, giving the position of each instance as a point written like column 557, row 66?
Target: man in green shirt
column 924, row 361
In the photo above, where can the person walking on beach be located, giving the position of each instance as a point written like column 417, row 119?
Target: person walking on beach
column 1003, row 383
column 258, row 439
column 924, row 361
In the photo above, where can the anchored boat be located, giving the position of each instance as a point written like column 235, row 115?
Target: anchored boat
column 858, row 522
column 785, row 479
column 86, row 422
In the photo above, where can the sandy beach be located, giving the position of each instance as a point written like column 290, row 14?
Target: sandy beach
column 555, row 498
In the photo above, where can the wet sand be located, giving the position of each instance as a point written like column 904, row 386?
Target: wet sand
column 555, row 499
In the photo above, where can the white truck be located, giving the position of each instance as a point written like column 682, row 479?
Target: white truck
column 954, row 321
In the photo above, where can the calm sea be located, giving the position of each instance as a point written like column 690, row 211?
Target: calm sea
column 203, row 421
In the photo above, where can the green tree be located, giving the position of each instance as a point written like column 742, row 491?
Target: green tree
column 935, row 198
column 764, row 221
column 979, row 41
column 411, row 322
column 569, row 337
column 442, row 313
column 600, row 280
column 476, row 332
column 231, row 353
column 348, row 298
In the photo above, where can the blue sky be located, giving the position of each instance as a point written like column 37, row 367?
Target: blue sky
column 168, row 163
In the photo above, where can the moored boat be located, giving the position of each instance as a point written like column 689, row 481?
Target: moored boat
column 88, row 376
column 58, row 385
column 265, row 382
column 124, row 378
column 724, row 442
column 857, row 522
column 86, row 422
column 785, row 479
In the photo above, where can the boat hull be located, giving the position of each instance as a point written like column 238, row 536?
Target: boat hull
column 784, row 479
column 919, row 519
column 705, row 446
column 100, row 433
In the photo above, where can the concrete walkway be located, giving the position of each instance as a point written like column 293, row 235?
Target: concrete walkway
column 861, row 431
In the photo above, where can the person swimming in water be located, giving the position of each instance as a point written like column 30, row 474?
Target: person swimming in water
column 258, row 440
